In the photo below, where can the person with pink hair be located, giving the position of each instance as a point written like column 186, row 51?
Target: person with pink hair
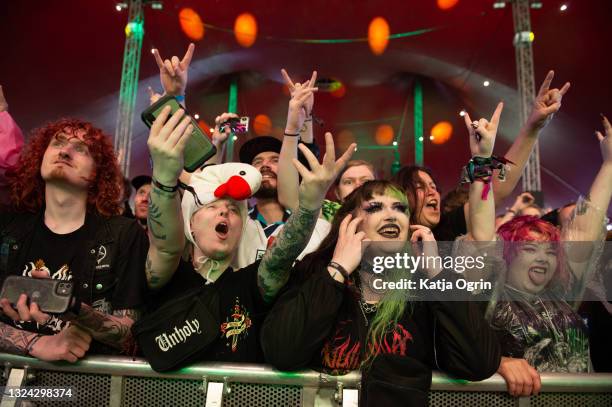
column 543, row 273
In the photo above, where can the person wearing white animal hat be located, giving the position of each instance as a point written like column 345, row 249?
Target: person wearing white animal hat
column 212, row 217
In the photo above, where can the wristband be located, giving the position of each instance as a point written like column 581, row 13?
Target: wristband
column 31, row 344
column 180, row 98
column 165, row 188
column 342, row 270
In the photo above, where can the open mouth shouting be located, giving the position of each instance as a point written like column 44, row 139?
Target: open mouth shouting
column 389, row 231
column 222, row 230
column 433, row 204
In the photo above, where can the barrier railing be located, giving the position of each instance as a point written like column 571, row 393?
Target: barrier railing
column 121, row 381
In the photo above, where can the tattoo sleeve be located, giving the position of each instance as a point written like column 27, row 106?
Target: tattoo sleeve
column 276, row 264
column 113, row 330
column 14, row 340
column 166, row 236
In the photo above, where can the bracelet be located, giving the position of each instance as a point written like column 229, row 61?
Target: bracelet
column 31, row 344
column 342, row 270
column 180, row 98
column 163, row 187
column 291, row 135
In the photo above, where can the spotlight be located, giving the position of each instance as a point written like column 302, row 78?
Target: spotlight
column 462, row 113
column 152, row 50
column 236, row 138
column 420, row 138
column 121, row 6
column 563, row 7
column 355, row 148
column 609, row 227
column 431, row 137
column 486, row 83
column 157, row 5
column 196, row 116
column 499, row 4
column 536, row 4
column 395, row 143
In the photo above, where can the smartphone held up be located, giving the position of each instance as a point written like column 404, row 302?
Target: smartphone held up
column 199, row 148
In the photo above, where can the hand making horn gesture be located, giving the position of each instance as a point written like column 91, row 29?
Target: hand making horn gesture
column 173, row 72
column 482, row 133
column 547, row 102
column 301, row 103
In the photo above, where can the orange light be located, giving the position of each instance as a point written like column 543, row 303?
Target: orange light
column 205, row 128
column 191, row 24
column 447, row 4
column 378, row 35
column 441, row 132
column 344, row 139
column 384, row 135
column 262, row 125
column 245, row 29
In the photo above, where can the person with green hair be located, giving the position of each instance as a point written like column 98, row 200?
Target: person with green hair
column 332, row 317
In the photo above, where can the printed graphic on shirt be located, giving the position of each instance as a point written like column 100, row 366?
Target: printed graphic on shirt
column 236, row 326
column 54, row 324
column 341, row 352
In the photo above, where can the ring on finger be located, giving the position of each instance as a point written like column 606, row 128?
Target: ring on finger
column 474, row 124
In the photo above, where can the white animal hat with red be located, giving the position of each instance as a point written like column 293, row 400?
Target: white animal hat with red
column 235, row 181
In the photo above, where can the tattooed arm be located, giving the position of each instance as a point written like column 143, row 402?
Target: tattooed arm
column 273, row 271
column 14, row 340
column 113, row 330
column 165, row 223
column 274, row 268
column 166, row 144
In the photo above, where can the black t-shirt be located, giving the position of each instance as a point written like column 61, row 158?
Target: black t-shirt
column 58, row 255
column 235, row 303
column 105, row 258
column 451, row 226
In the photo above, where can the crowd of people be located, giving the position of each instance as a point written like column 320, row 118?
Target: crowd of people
column 248, row 262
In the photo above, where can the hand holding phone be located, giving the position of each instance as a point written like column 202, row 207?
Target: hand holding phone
column 35, row 297
column 198, row 147
column 236, row 125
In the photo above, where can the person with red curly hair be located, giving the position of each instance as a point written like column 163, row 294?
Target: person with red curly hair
column 64, row 224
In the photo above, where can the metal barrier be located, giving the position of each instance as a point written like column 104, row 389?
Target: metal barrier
column 121, row 381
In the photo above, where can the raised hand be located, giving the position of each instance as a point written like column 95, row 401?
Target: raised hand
column 167, row 143
column 219, row 138
column 3, row 102
column 301, row 103
column 605, row 142
column 153, row 95
column 71, row 344
column 173, row 72
column 316, row 181
column 546, row 103
column 482, row 133
column 350, row 244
